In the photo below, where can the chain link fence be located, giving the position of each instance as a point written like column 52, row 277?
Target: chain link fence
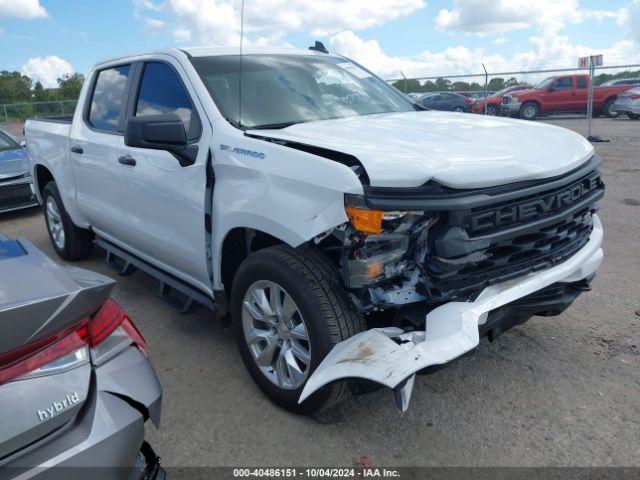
column 17, row 113
column 546, row 94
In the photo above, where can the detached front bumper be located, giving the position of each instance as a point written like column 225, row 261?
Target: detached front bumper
column 392, row 358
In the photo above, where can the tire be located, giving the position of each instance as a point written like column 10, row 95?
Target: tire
column 492, row 110
column 633, row 116
column 607, row 109
column 529, row 111
column 69, row 241
column 458, row 109
column 322, row 307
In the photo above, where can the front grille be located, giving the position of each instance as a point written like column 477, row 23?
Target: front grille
column 16, row 195
column 465, row 258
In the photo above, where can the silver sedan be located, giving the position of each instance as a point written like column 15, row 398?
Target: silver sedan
column 16, row 184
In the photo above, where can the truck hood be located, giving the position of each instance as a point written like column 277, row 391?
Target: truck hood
column 458, row 150
column 13, row 161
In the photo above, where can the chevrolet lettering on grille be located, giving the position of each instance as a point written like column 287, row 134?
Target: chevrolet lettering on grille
column 538, row 207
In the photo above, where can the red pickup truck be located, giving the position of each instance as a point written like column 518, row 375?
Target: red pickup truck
column 563, row 93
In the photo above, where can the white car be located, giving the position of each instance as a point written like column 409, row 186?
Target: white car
column 354, row 235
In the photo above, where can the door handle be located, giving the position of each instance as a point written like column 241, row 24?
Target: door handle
column 77, row 149
column 127, row 160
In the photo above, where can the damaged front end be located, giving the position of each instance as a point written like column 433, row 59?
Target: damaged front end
column 451, row 266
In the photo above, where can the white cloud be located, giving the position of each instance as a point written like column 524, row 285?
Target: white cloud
column 24, row 9
column 482, row 17
column 546, row 51
column 218, row 21
column 629, row 17
column 181, row 35
column 47, row 70
column 153, row 23
column 500, row 41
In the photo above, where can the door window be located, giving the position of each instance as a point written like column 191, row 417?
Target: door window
column 108, row 98
column 563, row 83
column 581, row 82
column 162, row 91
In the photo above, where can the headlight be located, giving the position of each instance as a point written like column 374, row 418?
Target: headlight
column 379, row 244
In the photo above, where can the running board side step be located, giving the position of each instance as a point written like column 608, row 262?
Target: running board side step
column 174, row 292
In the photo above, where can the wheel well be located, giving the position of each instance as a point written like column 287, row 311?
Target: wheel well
column 43, row 176
column 238, row 245
column 532, row 101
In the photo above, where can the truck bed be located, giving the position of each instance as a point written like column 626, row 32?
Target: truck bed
column 55, row 119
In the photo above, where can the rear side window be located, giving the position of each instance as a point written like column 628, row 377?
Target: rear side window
column 162, row 91
column 108, row 98
column 582, row 82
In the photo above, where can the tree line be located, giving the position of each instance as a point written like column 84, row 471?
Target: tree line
column 495, row 84
column 16, row 87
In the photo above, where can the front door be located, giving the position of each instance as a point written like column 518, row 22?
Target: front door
column 164, row 202
column 560, row 96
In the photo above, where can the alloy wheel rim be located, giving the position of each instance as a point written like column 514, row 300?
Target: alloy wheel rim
column 276, row 335
column 54, row 222
column 529, row 112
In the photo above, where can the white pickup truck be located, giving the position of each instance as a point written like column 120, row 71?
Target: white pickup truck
column 354, row 234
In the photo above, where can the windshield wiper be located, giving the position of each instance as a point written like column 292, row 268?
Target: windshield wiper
column 273, row 126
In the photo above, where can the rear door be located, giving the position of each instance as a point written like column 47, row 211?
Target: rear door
column 581, row 97
column 95, row 142
column 164, row 201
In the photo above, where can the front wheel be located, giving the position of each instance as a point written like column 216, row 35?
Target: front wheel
column 289, row 311
column 69, row 241
column 529, row 111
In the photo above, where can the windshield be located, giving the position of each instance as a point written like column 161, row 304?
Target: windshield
column 7, row 143
column 544, row 83
column 280, row 90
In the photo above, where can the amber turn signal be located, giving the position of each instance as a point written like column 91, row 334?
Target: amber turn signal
column 367, row 221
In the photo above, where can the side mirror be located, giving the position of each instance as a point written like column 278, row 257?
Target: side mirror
column 157, row 132
column 160, row 132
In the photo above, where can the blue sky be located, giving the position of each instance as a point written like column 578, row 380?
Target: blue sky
column 45, row 38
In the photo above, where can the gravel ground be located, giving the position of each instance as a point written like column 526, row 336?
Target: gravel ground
column 553, row 392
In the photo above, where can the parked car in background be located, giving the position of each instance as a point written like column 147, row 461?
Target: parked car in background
column 76, row 386
column 562, row 94
column 494, row 102
column 628, row 103
column 477, row 94
column 448, row 101
column 621, row 81
column 16, row 184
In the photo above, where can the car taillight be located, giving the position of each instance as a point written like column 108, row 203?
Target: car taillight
column 36, row 355
column 106, row 333
column 111, row 330
column 468, row 100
